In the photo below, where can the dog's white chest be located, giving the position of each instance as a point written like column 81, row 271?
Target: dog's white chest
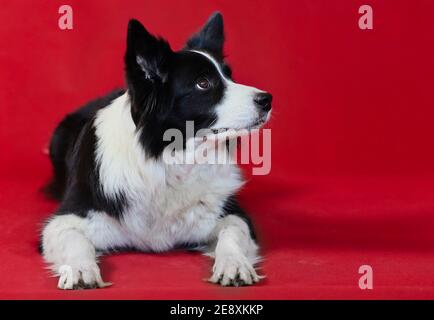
column 185, row 209
column 181, row 209
column 166, row 204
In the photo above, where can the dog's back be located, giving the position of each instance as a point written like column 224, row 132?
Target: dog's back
column 64, row 138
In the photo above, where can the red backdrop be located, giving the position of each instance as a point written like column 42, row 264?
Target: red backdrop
column 352, row 140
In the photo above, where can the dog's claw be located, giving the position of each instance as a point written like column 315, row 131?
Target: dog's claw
column 234, row 272
column 85, row 277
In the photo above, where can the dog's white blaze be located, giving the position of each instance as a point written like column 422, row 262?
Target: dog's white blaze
column 237, row 110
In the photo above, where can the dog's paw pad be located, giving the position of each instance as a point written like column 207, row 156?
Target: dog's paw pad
column 84, row 277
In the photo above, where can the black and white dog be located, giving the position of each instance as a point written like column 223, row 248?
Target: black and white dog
column 117, row 193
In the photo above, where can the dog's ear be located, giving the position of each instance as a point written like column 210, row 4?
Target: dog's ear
column 147, row 57
column 147, row 62
column 210, row 38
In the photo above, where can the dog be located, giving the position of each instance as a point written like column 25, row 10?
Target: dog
column 116, row 192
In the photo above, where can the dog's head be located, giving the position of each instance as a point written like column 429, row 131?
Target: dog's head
column 169, row 88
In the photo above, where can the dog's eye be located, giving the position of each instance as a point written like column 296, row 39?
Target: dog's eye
column 203, row 84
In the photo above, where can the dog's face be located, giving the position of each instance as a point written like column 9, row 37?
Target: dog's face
column 169, row 88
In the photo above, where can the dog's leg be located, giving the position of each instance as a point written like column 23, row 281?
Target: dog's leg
column 235, row 253
column 71, row 255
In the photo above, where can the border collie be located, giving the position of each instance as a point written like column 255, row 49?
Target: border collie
column 117, row 193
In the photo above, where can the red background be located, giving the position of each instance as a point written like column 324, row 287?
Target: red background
column 352, row 141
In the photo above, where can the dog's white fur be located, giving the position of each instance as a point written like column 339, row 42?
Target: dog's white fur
column 168, row 204
column 237, row 109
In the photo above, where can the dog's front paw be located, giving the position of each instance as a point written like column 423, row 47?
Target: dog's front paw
column 234, row 271
column 82, row 277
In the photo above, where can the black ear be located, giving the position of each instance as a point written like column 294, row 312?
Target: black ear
column 210, row 38
column 147, row 57
column 147, row 69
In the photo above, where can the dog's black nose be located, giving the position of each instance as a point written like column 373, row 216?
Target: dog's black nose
column 263, row 100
